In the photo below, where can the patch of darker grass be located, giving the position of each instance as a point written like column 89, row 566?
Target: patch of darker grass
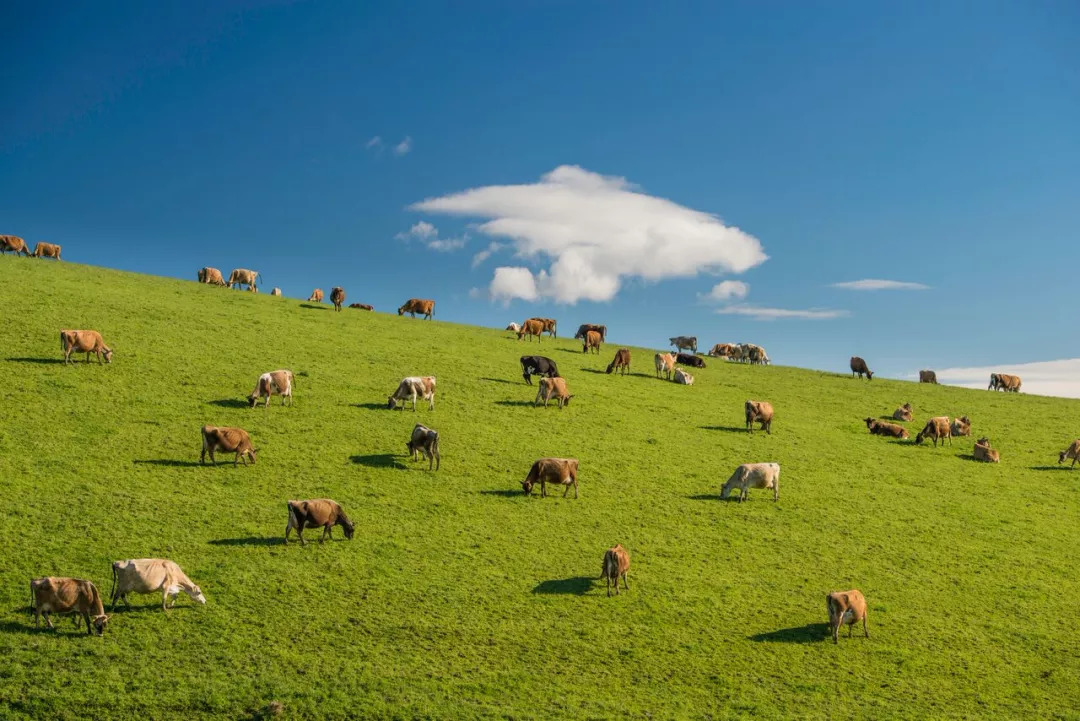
column 379, row 460
column 576, row 585
column 249, row 541
column 810, row 633
column 230, row 403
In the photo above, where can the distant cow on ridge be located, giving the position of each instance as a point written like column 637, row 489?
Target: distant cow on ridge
column 684, row 341
column 413, row 306
column 241, row 276
column 337, row 297
column 858, row 365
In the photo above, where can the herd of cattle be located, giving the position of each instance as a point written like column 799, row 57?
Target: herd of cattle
column 16, row 245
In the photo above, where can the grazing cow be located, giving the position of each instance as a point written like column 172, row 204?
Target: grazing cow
column 513, row 327
column 1073, row 452
column 280, row 382
column 362, row 306
column 226, row 440
column 13, row 243
column 537, row 365
column 758, row 412
column 592, row 341
column 586, row 327
column 412, row 388
column 616, row 564
column 936, row 428
column 239, row 276
column 903, row 413
column 549, row 326
column 67, row 595
column 683, row 378
column 927, row 377
column 753, row 475
column 316, row 296
column 84, row 341
column 880, row 428
column 553, row 387
column 757, row 355
column 47, row 250
column 211, row 276
column 1004, row 382
column 688, row 359
column 316, row 513
column 983, row 451
column 556, row 471
column 665, row 363
column 531, row 327
column 413, row 306
column 961, row 426
column 858, row 365
column 722, row 350
column 151, row 575
column 684, row 341
column 846, row 607
column 425, row 440
column 620, row 362
column 337, row 297
column 276, row 292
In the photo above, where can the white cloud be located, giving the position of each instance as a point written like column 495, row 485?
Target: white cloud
column 476, row 293
column 597, row 230
column 493, row 247
column 375, row 143
column 446, row 245
column 404, row 146
column 513, row 282
column 875, row 284
column 428, row 234
column 759, row 313
column 422, row 231
column 1048, row 378
column 726, row 290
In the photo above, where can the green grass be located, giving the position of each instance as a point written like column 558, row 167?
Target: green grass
column 459, row 597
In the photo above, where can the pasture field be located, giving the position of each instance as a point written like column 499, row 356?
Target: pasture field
column 459, row 597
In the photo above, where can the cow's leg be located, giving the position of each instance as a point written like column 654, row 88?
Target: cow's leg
column 48, row 620
column 607, row 583
column 164, row 597
column 627, row 585
column 326, row 533
column 543, row 488
column 86, row 617
column 865, row 632
column 300, row 533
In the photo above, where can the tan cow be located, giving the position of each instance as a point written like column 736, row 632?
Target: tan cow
column 362, row 306
column 983, row 451
column 337, row 297
column 753, row 475
column 1004, row 382
column 846, row 607
column 616, row 564
column 758, row 412
column 927, row 377
column 210, row 276
column 151, row 575
column 412, row 388
column 226, row 440
column 937, row 428
column 881, row 428
column 316, row 296
column 722, row 350
column 317, row 513
column 13, row 243
column 418, row 305
column 556, row 471
column 84, row 341
column 549, row 326
column 903, row 413
column 531, row 327
column 276, row 292
column 592, row 342
column 553, row 387
column 683, row 378
column 961, row 426
column 1073, row 452
column 621, row 361
column 47, row 250
column 665, row 363
column 241, row 276
column 279, row 382
column 67, row 595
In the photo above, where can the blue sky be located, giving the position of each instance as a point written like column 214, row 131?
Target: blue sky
column 929, row 143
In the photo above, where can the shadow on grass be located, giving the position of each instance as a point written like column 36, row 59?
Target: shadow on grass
column 578, row 585
column 508, row 493
column 713, row 497
column 169, row 462
column 1052, row 468
column 570, row 350
column 249, row 541
column 595, row 370
column 810, row 633
column 513, row 403
column 40, row 361
column 371, row 406
column 501, row 380
column 315, row 307
column 28, row 626
column 729, row 429
column 379, row 460
column 231, row 403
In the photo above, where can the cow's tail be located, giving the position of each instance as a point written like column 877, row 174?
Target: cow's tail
column 33, row 599
column 112, row 591
column 435, row 444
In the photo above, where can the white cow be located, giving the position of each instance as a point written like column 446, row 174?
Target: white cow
column 412, row 388
column 150, row 575
column 683, row 377
column 280, row 382
column 754, row 475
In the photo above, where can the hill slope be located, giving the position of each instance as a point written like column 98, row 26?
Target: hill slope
column 460, row 597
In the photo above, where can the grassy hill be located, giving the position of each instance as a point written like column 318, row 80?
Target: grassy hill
column 459, row 597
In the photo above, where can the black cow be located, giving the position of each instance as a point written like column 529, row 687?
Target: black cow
column 689, row 359
column 537, row 365
column 586, row 327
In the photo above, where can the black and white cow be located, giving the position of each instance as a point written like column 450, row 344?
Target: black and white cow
column 537, row 365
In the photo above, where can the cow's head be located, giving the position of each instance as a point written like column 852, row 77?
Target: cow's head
column 99, row 623
column 401, row 310
column 869, row 422
column 527, row 486
column 253, row 399
column 347, row 526
column 390, row 403
column 196, row 594
column 108, row 355
column 250, row 453
column 1061, row 457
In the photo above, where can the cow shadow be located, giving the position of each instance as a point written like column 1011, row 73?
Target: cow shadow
column 729, row 429
column 513, row 403
column 595, row 370
column 27, row 628
column 1062, row 467
column 40, row 361
column 169, row 462
column 810, row 633
column 570, row 350
column 500, row 380
column 379, row 460
column 315, row 307
column 576, row 586
column 713, row 497
column 230, row 403
column 371, row 406
column 249, row 541
column 507, row 493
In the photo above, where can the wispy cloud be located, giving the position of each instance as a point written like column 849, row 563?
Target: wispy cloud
column 726, row 290
column 428, row 234
column 1049, row 378
column 374, row 144
column 596, row 230
column 446, row 245
column 876, row 284
column 758, row 312
column 493, row 247
column 404, row 146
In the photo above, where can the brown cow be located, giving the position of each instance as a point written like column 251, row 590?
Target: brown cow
column 927, row 377
column 337, row 297
column 616, row 564
column 665, row 363
column 961, row 426
column 67, row 595
column 846, row 607
column 858, row 365
column 280, row 382
column 1073, row 452
column 361, row 306
column 621, row 361
column 983, row 451
column 316, row 296
column 1004, row 382
column 722, row 350
column 592, row 342
column 557, row 471
column 47, row 250
column 210, row 276
column 13, row 243
column 903, row 413
column 226, row 440
column 239, row 276
column 586, row 327
column 315, row 513
column 418, row 305
column 936, row 428
column 553, row 387
column 84, row 341
column 880, row 428
column 760, row 412
column 412, row 388
column 549, row 326
column 531, row 327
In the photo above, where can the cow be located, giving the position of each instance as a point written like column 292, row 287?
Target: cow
column 846, row 607
column 592, row 342
column 665, row 363
column 226, row 440
column 753, row 475
column 936, row 428
column 688, row 359
column 616, row 564
column 757, row 355
column 412, row 388
column 858, row 366
column 684, row 341
column 1004, row 382
column 67, row 595
column 426, row 441
column 553, row 387
column 240, row 276
column 549, row 326
column 537, row 365
column 47, row 250
column 961, row 426
column 280, row 382
column 1073, row 452
column 903, row 413
column 683, row 378
column 927, row 377
column 84, row 341
column 758, row 412
column 880, row 428
column 337, row 297
column 316, row 513
column 316, row 296
column 151, row 575
column 276, row 292
column 722, row 350
column 210, row 276
column 586, row 327
column 531, row 327
column 513, row 327
column 556, row 471
column 417, row 305
column 621, row 361
column 362, row 306
column 13, row 243
column 983, row 451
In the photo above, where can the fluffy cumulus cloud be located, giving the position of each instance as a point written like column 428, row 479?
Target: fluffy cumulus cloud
column 1047, row 378
column 727, row 290
column 875, row 284
column 594, row 231
column 758, row 312
column 428, row 234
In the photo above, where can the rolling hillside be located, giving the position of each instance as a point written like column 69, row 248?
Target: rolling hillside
column 459, row 597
